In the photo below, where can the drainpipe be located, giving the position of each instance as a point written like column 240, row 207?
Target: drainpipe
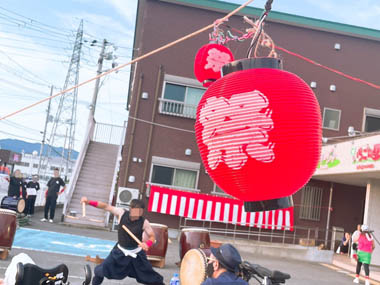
column 157, row 93
column 329, row 213
column 133, row 129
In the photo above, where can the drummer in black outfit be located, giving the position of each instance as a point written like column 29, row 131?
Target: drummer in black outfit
column 31, row 187
column 15, row 188
column 127, row 258
column 54, row 186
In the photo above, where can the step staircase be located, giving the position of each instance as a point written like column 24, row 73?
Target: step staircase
column 94, row 175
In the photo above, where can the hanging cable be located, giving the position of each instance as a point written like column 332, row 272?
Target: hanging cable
column 259, row 27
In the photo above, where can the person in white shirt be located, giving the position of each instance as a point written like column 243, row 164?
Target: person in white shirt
column 31, row 193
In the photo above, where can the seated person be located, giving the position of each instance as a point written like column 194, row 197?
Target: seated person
column 345, row 243
column 224, row 266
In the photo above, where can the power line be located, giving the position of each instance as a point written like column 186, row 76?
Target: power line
column 33, row 43
column 11, row 70
column 32, row 49
column 36, row 30
column 33, row 20
column 14, row 84
column 17, row 136
column 30, row 23
column 36, row 36
column 20, row 126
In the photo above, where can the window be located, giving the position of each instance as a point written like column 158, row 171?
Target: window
column 174, row 176
column 180, row 96
column 174, row 172
column 311, row 202
column 218, row 190
column 371, row 120
column 35, row 165
column 331, row 119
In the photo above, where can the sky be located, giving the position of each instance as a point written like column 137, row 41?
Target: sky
column 36, row 42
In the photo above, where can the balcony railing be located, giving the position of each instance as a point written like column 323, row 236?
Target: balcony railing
column 176, row 108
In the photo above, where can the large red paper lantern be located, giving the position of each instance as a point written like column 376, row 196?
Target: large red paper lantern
column 209, row 61
column 259, row 135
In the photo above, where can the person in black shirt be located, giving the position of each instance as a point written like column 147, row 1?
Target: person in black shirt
column 54, row 186
column 15, row 185
column 31, row 188
column 127, row 258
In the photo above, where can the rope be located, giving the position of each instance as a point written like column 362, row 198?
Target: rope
column 328, row 68
column 225, row 18
column 161, row 125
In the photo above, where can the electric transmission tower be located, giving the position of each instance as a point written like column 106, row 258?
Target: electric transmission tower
column 63, row 128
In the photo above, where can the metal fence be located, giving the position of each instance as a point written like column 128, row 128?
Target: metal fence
column 304, row 236
column 107, row 133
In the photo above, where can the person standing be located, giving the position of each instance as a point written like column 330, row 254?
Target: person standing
column 15, row 184
column 51, row 194
column 127, row 258
column 31, row 188
column 366, row 245
column 355, row 236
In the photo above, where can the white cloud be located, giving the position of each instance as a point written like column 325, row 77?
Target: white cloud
column 127, row 9
column 113, row 90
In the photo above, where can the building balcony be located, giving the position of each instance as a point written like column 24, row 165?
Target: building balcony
column 176, row 108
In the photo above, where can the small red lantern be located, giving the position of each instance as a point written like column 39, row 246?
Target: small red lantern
column 259, row 135
column 209, row 61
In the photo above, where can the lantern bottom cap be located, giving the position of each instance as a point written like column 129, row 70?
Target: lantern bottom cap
column 268, row 205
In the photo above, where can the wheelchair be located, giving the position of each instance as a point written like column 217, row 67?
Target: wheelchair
column 31, row 274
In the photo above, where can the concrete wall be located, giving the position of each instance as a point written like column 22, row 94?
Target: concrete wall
column 372, row 214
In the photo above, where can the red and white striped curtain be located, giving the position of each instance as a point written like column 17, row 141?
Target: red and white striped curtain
column 205, row 207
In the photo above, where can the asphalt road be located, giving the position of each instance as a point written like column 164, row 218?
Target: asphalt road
column 301, row 272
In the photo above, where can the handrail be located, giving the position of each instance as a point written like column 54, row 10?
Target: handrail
column 79, row 162
column 107, row 133
column 117, row 168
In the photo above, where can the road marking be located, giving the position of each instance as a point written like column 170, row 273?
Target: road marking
column 339, row 270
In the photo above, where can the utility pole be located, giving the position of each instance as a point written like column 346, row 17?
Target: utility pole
column 44, row 134
column 63, row 156
column 97, row 82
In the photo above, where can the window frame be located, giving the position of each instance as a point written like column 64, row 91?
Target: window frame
column 371, row 113
column 214, row 192
column 308, row 215
column 175, row 164
column 323, row 119
column 184, row 82
column 180, row 84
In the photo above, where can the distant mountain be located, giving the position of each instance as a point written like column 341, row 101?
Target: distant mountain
column 19, row 146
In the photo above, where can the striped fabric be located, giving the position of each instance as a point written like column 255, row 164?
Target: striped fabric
column 205, row 207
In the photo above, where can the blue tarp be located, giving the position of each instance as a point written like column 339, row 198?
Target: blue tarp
column 61, row 243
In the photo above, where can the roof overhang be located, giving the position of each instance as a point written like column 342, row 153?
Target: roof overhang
column 355, row 161
column 284, row 18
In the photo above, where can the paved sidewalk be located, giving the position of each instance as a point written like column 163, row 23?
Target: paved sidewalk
column 349, row 264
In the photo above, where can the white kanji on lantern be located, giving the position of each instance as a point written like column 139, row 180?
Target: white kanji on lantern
column 216, row 59
column 237, row 128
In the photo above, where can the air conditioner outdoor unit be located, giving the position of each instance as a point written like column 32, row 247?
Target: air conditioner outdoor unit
column 126, row 195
